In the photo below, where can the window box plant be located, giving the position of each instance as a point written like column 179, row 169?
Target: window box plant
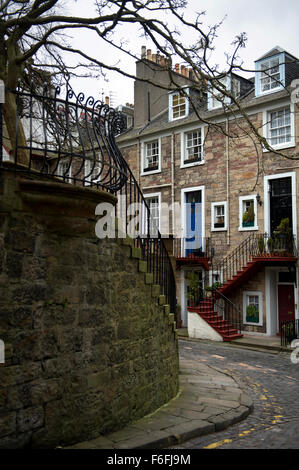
column 248, row 217
column 252, row 314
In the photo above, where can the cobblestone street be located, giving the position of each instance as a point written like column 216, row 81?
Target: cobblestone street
column 271, row 379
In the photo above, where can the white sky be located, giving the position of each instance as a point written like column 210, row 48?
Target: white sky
column 267, row 24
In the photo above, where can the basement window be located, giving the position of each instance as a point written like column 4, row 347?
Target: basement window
column 253, row 308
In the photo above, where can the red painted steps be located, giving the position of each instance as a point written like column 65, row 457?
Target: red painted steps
column 223, row 327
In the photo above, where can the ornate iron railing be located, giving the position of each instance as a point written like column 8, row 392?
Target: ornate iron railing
column 72, row 140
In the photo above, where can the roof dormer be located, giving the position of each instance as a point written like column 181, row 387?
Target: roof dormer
column 178, row 106
column 270, row 72
column 234, row 84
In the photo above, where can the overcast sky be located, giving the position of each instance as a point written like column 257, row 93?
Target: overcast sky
column 267, row 24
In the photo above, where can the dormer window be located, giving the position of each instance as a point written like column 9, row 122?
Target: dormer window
column 216, row 99
column 271, row 71
column 178, row 105
column 270, row 74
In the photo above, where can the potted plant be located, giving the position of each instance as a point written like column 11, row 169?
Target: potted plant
column 193, row 288
column 270, row 244
column 213, row 287
column 261, row 245
column 248, row 217
column 283, row 236
column 252, row 314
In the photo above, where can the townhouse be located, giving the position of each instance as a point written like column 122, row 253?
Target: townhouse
column 237, row 199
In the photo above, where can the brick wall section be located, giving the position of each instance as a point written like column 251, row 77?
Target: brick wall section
column 89, row 348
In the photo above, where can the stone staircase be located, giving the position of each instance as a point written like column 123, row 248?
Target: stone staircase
column 206, row 310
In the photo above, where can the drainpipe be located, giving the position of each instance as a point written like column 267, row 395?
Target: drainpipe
column 172, row 178
column 227, row 181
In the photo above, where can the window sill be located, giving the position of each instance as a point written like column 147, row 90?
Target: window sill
column 195, row 163
column 220, row 229
column 269, row 92
column 150, row 172
column 281, row 146
column 252, row 323
column 177, row 118
column 248, row 229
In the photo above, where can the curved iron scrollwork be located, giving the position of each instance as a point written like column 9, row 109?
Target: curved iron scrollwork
column 72, row 138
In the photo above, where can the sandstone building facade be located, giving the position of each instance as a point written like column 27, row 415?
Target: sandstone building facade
column 216, row 168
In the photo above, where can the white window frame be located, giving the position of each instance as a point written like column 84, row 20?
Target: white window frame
column 212, row 273
column 242, row 199
column 88, row 177
column 266, row 125
column 170, row 104
column 258, row 294
column 150, row 196
column 211, row 97
column 60, row 171
column 260, row 77
column 184, row 163
column 267, row 224
column 213, row 205
column 143, row 156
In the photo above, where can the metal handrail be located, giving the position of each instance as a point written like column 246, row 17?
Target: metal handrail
column 81, row 134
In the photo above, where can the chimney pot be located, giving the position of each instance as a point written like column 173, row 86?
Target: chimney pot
column 177, row 68
column 149, row 54
column 143, row 52
column 154, row 57
column 107, row 100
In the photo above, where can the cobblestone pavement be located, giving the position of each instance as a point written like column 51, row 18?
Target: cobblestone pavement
column 272, row 381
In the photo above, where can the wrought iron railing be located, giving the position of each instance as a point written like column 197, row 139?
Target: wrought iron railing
column 214, row 300
column 255, row 245
column 228, row 311
column 181, row 249
column 289, row 330
column 72, row 140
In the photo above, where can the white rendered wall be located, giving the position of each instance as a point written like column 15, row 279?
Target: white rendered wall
column 199, row 328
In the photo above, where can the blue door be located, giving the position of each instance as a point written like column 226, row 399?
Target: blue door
column 193, row 239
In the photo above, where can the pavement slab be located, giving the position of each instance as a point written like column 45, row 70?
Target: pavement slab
column 209, row 400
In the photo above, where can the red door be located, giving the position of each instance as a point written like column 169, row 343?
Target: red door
column 286, row 305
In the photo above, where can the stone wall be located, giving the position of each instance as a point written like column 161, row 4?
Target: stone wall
column 90, row 345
